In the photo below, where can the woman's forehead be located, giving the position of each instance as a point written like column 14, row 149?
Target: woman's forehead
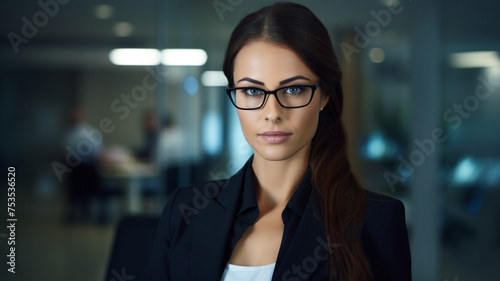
column 265, row 61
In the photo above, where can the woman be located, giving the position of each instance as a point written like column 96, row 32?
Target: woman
column 295, row 211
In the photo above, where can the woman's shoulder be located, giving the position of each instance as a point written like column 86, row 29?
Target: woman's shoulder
column 380, row 201
column 383, row 213
column 385, row 238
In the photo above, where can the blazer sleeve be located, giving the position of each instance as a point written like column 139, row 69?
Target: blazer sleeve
column 160, row 257
column 392, row 259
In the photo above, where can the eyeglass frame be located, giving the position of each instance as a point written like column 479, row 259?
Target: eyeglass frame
column 314, row 87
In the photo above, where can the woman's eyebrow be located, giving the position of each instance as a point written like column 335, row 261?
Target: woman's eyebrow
column 293, row 79
column 251, row 80
column 281, row 83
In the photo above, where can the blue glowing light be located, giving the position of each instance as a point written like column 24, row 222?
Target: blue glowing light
column 466, row 172
column 376, row 147
column 212, row 132
column 191, row 85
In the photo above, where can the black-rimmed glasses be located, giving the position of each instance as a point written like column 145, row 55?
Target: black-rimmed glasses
column 294, row 96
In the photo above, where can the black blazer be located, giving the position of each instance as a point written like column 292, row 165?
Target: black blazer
column 197, row 224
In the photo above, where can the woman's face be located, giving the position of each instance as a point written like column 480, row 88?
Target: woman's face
column 276, row 133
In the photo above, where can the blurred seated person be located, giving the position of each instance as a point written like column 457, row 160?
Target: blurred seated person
column 83, row 181
column 175, row 153
column 146, row 152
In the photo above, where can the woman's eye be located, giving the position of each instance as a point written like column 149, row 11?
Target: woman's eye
column 293, row 90
column 253, row 92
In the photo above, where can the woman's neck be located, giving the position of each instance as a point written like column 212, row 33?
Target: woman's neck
column 276, row 181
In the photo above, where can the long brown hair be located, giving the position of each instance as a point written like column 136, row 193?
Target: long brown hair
column 341, row 197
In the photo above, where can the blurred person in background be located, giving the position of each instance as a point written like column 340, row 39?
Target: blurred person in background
column 83, row 181
column 173, row 152
column 146, row 152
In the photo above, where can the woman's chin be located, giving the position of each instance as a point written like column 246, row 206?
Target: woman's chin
column 275, row 153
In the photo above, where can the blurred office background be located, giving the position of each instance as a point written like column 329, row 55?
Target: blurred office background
column 422, row 91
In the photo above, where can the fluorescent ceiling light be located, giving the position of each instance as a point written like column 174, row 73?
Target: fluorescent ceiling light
column 377, row 55
column 123, row 29
column 135, row 56
column 213, row 78
column 104, row 11
column 155, row 57
column 474, row 59
column 184, row 57
column 390, row 3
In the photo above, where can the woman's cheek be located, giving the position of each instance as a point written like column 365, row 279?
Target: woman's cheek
column 246, row 126
column 308, row 124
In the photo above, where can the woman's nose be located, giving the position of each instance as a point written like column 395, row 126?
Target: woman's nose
column 273, row 111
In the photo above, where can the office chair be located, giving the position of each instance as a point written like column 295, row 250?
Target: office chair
column 132, row 246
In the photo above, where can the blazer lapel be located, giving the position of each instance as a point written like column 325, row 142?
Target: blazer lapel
column 210, row 242
column 214, row 230
column 307, row 250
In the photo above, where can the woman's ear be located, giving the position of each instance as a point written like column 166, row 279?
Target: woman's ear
column 324, row 100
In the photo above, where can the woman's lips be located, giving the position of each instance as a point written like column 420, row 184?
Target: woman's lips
column 275, row 136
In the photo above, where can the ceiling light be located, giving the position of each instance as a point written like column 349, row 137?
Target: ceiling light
column 184, row 57
column 474, row 59
column 212, row 78
column 390, row 3
column 123, row 29
column 377, row 55
column 135, row 56
column 104, row 11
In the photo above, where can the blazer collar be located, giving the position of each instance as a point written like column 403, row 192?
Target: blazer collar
column 231, row 191
column 215, row 228
column 309, row 246
column 300, row 197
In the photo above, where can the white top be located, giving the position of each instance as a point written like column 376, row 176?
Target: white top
column 248, row 273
